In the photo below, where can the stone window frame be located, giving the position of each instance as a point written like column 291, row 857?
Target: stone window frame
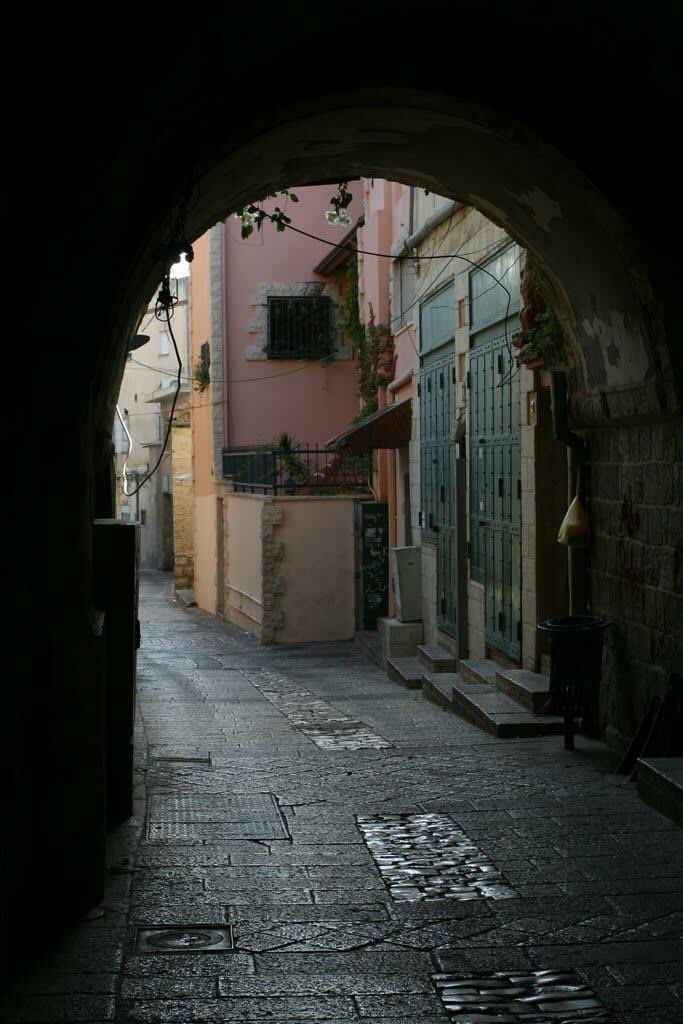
column 257, row 350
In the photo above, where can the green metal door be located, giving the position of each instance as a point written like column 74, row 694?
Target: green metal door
column 372, row 558
column 495, row 457
column 437, row 467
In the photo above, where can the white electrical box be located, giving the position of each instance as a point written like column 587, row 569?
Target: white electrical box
column 405, row 573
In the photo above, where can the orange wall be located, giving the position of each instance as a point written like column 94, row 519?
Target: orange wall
column 200, row 327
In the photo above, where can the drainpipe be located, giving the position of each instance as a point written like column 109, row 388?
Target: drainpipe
column 429, row 225
column 576, row 461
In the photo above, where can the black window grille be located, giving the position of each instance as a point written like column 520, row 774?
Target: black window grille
column 300, row 328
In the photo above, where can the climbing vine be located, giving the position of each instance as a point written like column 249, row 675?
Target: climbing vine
column 364, row 340
column 541, row 334
column 201, row 375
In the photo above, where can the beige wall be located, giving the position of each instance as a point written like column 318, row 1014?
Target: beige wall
column 205, row 552
column 317, row 569
column 289, row 567
column 244, row 560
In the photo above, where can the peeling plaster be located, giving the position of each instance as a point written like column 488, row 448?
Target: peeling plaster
column 542, row 208
column 626, row 362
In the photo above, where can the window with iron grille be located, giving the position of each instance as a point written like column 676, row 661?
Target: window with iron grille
column 300, row 327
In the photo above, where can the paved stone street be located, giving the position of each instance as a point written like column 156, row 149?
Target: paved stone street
column 245, row 889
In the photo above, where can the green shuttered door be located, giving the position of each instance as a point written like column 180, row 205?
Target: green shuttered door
column 495, row 460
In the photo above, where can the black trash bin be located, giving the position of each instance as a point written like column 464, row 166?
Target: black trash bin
column 575, row 665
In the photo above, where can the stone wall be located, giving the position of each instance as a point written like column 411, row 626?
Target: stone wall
column 183, row 507
column 636, row 506
column 273, row 617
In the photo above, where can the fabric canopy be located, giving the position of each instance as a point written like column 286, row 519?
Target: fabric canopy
column 387, row 428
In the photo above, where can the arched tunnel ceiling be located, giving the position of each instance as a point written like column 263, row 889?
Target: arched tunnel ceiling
column 534, row 115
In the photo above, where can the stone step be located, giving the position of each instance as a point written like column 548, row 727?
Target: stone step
column 406, row 671
column 660, row 784
column 436, row 659
column 479, row 670
column 485, row 706
column 399, row 639
column 370, row 643
column 530, row 689
column 438, row 687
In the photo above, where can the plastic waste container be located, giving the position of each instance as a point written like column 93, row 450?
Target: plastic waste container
column 575, row 667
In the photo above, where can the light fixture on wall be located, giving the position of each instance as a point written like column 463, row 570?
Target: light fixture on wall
column 137, row 342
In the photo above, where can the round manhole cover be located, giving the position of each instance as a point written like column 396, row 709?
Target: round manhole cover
column 190, row 938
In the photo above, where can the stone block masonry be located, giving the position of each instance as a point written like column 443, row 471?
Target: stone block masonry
column 246, row 834
column 636, row 507
column 273, row 551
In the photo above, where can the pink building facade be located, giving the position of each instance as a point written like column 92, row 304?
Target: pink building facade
column 267, row 322
column 308, row 398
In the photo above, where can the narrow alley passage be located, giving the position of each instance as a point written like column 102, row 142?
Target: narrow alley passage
column 312, row 842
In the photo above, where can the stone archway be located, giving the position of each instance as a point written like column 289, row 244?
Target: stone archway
column 114, row 204
column 597, row 277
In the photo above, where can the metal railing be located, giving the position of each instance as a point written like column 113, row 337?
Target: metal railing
column 316, row 470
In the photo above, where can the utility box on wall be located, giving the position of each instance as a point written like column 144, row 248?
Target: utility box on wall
column 406, row 579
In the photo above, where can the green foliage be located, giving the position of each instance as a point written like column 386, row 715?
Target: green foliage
column 340, row 202
column 364, row 340
column 253, row 215
column 368, row 409
column 201, row 375
column 545, row 339
column 287, row 448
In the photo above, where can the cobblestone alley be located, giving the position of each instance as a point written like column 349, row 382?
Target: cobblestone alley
column 313, row 842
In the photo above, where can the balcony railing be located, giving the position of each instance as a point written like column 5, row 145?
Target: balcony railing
column 300, row 471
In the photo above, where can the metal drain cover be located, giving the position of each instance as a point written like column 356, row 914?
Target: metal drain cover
column 182, row 761
column 214, row 818
column 195, row 939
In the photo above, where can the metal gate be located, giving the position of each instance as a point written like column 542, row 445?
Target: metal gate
column 437, row 467
column 495, row 462
column 372, row 563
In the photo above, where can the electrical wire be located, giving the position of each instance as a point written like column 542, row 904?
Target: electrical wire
column 385, row 255
column 169, row 308
column 165, row 305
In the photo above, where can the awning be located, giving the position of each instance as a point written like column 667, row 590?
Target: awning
column 387, row 428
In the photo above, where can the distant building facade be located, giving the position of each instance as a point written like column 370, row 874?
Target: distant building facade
column 147, row 388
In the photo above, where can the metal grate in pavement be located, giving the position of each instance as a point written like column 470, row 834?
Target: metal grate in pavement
column 183, row 762
column 427, row 857
column 322, row 723
column 540, row 997
column 193, row 939
column 214, row 818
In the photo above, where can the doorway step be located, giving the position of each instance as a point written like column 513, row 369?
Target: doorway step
column 406, row 671
column 436, row 659
column 503, row 702
column 660, row 784
column 370, row 643
column 427, row 660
